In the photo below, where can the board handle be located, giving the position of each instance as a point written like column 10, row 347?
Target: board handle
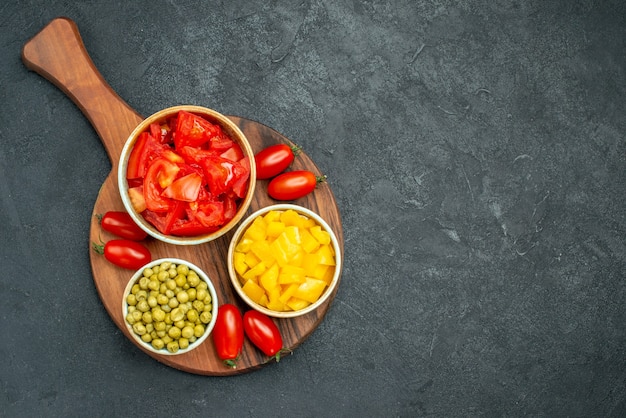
column 58, row 54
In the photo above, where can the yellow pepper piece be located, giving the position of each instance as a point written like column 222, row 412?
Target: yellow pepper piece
column 326, row 254
column 254, row 291
column 269, row 279
column 288, row 292
column 291, row 218
column 328, row 275
column 257, row 230
column 251, row 259
column 239, row 263
column 296, row 304
column 309, row 243
column 291, row 274
column 310, row 290
column 272, row 216
column 322, row 236
column 293, row 234
column 255, row 271
column 263, row 251
column 243, row 246
column 274, row 229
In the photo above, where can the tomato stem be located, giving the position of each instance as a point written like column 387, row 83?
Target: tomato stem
column 230, row 363
column 295, row 149
column 321, row 179
column 99, row 248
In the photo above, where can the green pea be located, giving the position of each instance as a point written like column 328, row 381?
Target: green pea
column 198, row 330
column 174, row 333
column 187, row 332
column 205, row 317
column 183, row 343
column 131, row 299
column 173, row 347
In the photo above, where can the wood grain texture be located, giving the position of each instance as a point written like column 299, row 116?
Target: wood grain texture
column 58, row 54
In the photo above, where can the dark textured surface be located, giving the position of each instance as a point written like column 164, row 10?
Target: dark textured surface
column 477, row 154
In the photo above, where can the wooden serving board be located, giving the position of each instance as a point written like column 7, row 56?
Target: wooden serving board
column 58, row 54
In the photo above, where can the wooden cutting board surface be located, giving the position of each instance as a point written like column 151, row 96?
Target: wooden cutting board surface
column 58, row 54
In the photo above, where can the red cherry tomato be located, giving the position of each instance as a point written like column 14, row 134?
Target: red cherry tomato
column 293, row 185
column 124, row 253
column 263, row 333
column 274, row 159
column 122, row 225
column 228, row 334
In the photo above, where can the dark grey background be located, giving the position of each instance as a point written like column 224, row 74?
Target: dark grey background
column 476, row 150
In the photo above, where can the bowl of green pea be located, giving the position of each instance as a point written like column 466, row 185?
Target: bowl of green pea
column 169, row 306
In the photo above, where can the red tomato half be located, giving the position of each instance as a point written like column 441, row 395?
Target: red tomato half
column 273, row 160
column 293, row 185
column 228, row 334
column 263, row 333
column 122, row 225
column 125, row 253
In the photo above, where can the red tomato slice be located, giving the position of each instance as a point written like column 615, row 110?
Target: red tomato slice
column 161, row 174
column 209, row 214
column 185, row 188
column 134, row 168
column 234, row 153
column 242, row 175
column 221, row 141
column 193, row 130
column 230, row 208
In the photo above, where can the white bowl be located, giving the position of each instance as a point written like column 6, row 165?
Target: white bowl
column 229, row 128
column 207, row 327
column 234, row 275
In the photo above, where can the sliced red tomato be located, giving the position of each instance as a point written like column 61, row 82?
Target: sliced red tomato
column 193, row 130
column 134, row 168
column 230, row 208
column 185, row 188
column 234, row 153
column 159, row 176
column 187, row 228
column 221, row 141
column 242, row 176
column 209, row 213
column 190, row 175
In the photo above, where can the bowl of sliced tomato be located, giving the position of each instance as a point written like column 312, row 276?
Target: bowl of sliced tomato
column 284, row 260
column 186, row 175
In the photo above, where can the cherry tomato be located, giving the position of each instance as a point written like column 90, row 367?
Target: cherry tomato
column 124, row 253
column 122, row 225
column 263, row 333
column 228, row 334
column 274, row 159
column 293, row 185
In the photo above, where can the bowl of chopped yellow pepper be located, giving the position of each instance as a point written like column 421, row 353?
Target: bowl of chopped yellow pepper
column 284, row 260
